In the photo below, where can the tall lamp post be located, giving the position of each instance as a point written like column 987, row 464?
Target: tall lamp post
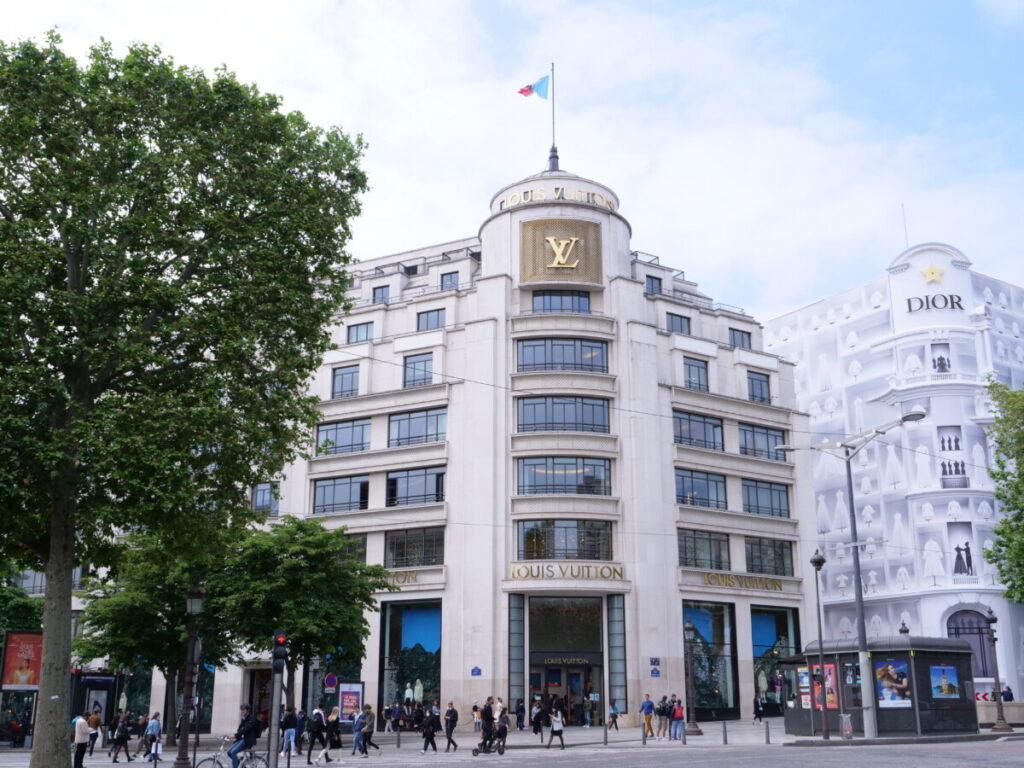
column 692, row 729
column 846, row 449
column 818, row 560
column 193, row 607
column 1001, row 726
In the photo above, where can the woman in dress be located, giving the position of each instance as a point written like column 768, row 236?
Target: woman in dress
column 333, row 737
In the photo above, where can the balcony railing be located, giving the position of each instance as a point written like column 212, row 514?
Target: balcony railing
column 422, row 498
column 564, row 426
column 701, row 501
column 763, row 453
column 585, row 489
column 766, row 511
column 956, row 481
column 712, row 445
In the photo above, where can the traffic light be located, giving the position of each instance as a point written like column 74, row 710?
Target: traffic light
column 280, row 653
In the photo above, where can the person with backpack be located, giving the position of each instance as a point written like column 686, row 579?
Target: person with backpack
column 677, row 717
column 246, row 735
column 662, row 712
column 317, row 728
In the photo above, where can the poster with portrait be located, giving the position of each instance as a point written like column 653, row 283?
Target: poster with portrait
column 23, row 659
column 831, row 696
column 350, row 698
column 945, row 683
column 892, row 684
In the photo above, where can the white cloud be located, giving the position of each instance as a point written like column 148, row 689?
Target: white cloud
column 710, row 124
column 1004, row 11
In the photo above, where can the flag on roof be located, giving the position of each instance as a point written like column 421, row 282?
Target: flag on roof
column 540, row 87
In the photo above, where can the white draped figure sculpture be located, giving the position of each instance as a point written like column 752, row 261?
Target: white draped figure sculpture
column 903, row 578
column 872, row 585
column 858, row 416
column 876, row 626
column 868, row 513
column 893, row 468
column 953, row 510
column 840, row 551
column 989, row 569
column 927, row 512
column 845, row 627
column 898, row 539
column 841, row 519
column 865, row 485
column 912, row 365
column 980, row 468
column 932, row 558
column 842, row 580
column 985, row 511
column 824, row 523
column 922, row 467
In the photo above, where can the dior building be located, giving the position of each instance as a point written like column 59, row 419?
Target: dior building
column 928, row 333
column 562, row 451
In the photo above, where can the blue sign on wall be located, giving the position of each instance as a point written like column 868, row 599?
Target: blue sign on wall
column 655, row 672
column 655, row 661
column 475, row 672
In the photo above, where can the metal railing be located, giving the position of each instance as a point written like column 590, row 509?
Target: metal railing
column 583, row 489
column 692, row 500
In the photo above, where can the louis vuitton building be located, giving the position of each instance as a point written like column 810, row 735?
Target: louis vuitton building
column 562, row 450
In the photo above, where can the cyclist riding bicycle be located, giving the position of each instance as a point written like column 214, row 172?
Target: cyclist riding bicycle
column 246, row 736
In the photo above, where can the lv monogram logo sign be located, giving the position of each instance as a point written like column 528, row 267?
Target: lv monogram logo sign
column 562, row 251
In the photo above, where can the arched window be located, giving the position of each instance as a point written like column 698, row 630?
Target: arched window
column 971, row 626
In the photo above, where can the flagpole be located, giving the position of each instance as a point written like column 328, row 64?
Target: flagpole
column 553, row 142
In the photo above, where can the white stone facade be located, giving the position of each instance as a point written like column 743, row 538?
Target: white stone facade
column 929, row 333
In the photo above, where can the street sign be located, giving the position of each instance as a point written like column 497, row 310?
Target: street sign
column 476, row 671
column 655, row 672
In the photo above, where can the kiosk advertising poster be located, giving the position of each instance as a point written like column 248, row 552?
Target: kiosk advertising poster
column 892, row 684
column 23, row 657
column 831, row 696
column 944, row 683
column 804, row 683
column 350, row 698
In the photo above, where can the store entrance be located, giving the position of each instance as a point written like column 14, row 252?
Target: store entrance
column 566, row 656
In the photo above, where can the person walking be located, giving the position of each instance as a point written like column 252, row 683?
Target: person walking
column 613, row 716
column 317, row 728
column 358, row 721
column 677, row 717
column 246, row 735
column 120, row 740
column 557, row 726
column 758, row 709
column 588, row 712
column 153, row 735
column 140, row 730
column 369, row 726
column 487, row 724
column 647, row 710
column 451, row 719
column 81, row 725
column 661, row 711
column 332, row 737
column 476, row 718
column 95, row 723
column 289, row 724
column 520, row 714
column 431, row 725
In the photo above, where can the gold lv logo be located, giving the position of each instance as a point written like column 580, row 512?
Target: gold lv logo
column 562, row 250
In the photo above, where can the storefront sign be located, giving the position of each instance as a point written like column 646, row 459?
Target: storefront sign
column 404, row 577
column 740, row 581
column 558, row 194
column 580, row 572
column 555, row 659
column 938, row 301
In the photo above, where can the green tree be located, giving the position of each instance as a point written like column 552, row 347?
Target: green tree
column 302, row 578
column 19, row 612
column 1006, row 443
column 171, row 254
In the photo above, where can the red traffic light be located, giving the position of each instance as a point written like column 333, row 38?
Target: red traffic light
column 280, row 638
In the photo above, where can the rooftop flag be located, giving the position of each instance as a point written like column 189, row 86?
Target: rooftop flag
column 540, row 87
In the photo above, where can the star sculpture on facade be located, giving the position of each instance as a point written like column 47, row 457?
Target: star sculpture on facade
column 932, row 274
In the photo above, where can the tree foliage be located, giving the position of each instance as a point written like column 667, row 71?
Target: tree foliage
column 1006, row 441
column 171, row 254
column 19, row 612
column 302, row 578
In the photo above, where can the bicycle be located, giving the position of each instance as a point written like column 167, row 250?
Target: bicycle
column 250, row 757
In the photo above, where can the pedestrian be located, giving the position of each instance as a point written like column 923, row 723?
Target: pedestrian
column 289, row 724
column 153, row 735
column 95, row 722
column 647, row 710
column 677, row 718
column 111, row 728
column 661, row 711
column 120, row 739
column 487, row 724
column 520, row 714
column 246, row 735
column 588, row 712
column 476, row 718
column 451, row 719
column 613, row 716
column 358, row 721
column 758, row 709
column 332, row 733
column 142, row 723
column 431, row 725
column 81, row 726
column 301, row 722
column 504, row 721
column 557, row 725
column 1007, row 694
column 369, row 726
column 317, row 729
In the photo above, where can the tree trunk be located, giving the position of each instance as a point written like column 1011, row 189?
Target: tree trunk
column 171, row 705
column 53, row 714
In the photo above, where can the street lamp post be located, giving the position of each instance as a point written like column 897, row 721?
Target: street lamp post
column 1001, row 726
column 818, row 560
column 692, row 729
column 849, row 448
column 193, row 606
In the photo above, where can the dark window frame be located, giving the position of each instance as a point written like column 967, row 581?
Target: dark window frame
column 710, row 427
column 414, row 547
column 350, row 436
column 563, row 413
column 359, row 332
column 382, row 294
column 677, row 323
column 701, row 489
column 418, row 370
column 759, row 388
column 573, row 302
column 593, row 476
column 564, row 539
column 328, row 487
column 430, row 320
column 765, row 498
column 267, row 496
column 551, row 353
column 740, row 339
column 449, row 281
column 768, row 557
column 340, row 387
column 758, row 440
column 652, row 285
column 703, row 549
column 405, row 429
column 430, row 479
column 695, row 374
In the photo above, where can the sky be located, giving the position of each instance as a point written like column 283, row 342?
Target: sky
column 771, row 150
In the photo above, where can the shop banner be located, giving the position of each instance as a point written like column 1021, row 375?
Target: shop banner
column 892, row 684
column 23, row 661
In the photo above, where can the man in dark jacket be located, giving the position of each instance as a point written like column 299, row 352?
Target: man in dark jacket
column 246, row 736
column 451, row 719
column 487, row 724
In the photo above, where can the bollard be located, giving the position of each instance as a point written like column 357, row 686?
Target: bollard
column 606, row 734
column 725, row 733
column 767, row 734
column 643, row 734
column 683, row 739
column 398, row 738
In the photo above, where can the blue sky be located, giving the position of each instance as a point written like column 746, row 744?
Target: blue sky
column 766, row 148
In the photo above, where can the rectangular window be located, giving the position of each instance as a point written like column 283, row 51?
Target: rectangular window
column 345, row 381
column 381, row 294
column 652, row 284
column 761, row 441
column 769, row 556
column 565, row 474
column 417, row 427
column 561, row 301
column 565, row 540
column 677, row 323
column 415, row 486
column 703, row 549
column 757, row 387
column 356, row 546
column 714, row 645
column 763, row 498
column 414, row 548
column 562, row 355
column 419, row 370
column 695, row 374
column 700, row 431
column 341, row 494
column 343, row 437
column 563, row 414
column 264, row 499
column 738, row 338
column 449, row 281
column 360, row 332
column 428, row 321
column 700, row 489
